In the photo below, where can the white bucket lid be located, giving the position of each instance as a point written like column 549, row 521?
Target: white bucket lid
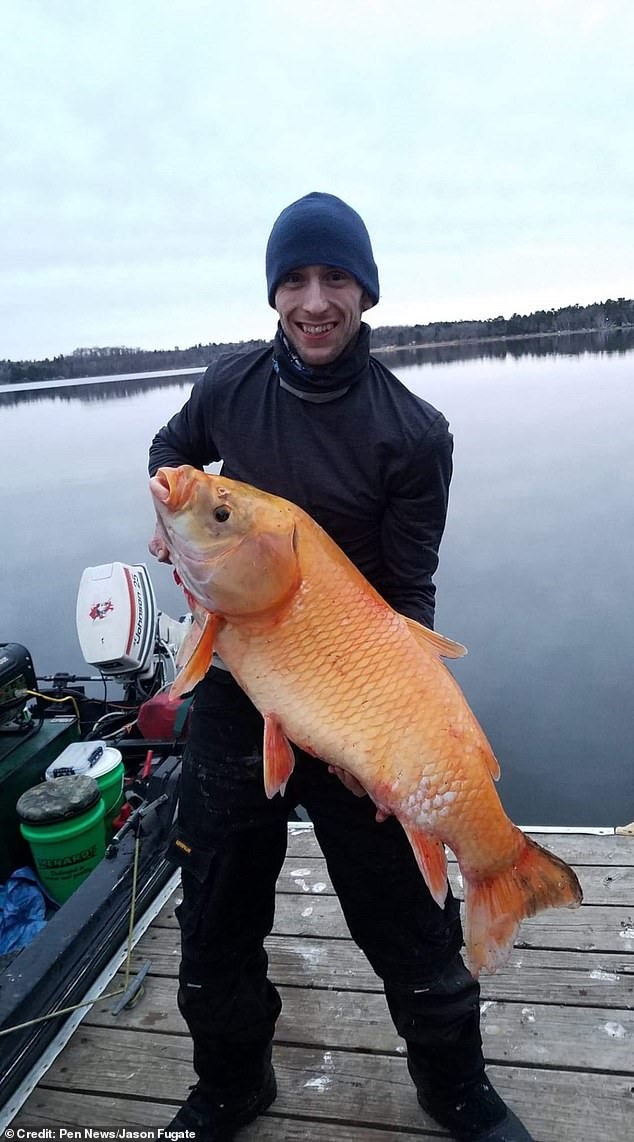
column 91, row 758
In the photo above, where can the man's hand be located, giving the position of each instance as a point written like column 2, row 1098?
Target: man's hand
column 355, row 787
column 158, row 547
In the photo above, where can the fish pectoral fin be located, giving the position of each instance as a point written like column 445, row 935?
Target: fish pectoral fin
column 279, row 759
column 432, row 861
column 189, row 643
column 199, row 661
column 431, row 640
column 491, row 761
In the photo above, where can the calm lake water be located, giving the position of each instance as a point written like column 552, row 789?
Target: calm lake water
column 537, row 564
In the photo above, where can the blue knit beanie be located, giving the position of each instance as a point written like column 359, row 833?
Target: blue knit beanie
column 320, row 230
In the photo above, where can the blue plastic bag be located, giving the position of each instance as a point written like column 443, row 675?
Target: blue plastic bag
column 22, row 910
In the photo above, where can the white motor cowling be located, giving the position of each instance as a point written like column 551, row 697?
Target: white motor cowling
column 117, row 618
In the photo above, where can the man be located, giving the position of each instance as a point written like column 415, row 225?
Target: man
column 320, row 422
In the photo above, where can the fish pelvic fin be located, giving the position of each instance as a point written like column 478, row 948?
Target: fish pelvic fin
column 494, row 907
column 431, row 859
column 431, row 640
column 279, row 759
column 199, row 660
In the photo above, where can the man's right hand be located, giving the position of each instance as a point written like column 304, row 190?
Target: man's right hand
column 158, row 547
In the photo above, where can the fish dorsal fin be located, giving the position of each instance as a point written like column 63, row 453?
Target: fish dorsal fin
column 279, row 759
column 199, row 661
column 432, row 861
column 430, row 639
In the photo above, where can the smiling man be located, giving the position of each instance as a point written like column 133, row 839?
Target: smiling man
column 319, row 421
column 320, row 299
column 320, row 311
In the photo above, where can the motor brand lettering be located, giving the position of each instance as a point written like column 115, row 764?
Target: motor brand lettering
column 139, row 603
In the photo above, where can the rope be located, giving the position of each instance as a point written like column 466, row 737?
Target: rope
column 110, row 994
column 135, row 870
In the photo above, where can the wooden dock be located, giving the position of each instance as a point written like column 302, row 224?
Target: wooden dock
column 558, row 1025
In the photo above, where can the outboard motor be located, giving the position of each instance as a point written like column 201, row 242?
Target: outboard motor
column 116, row 619
column 122, row 633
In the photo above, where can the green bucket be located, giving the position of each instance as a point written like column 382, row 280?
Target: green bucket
column 106, row 768
column 62, row 820
column 109, row 773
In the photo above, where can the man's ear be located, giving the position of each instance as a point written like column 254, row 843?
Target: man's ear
column 366, row 301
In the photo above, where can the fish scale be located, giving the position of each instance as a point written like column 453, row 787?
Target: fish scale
column 338, row 672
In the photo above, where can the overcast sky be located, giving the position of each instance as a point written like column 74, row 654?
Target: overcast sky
column 147, row 146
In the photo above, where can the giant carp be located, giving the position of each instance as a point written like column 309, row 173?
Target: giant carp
column 337, row 671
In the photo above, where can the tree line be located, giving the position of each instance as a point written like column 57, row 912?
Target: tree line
column 601, row 316
column 106, row 361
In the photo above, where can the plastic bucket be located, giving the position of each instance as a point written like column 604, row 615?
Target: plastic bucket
column 62, row 820
column 107, row 770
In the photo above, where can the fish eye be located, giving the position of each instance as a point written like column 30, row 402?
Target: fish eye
column 221, row 514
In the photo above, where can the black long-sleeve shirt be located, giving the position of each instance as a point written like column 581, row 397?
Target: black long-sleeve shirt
column 372, row 466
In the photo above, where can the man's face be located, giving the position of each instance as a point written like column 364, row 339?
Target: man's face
column 320, row 311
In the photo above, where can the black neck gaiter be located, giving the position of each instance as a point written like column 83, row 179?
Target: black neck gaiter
column 319, row 383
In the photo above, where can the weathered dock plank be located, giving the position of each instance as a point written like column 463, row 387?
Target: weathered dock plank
column 601, row 885
column 604, row 928
column 527, row 1034
column 307, row 874
column 73, row 1109
column 576, row 848
column 367, row 1091
column 589, row 928
column 533, row 975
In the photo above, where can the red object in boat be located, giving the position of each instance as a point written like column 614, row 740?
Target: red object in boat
column 161, row 718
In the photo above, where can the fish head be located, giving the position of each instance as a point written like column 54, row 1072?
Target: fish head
column 232, row 545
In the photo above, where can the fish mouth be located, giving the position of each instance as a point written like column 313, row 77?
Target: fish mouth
column 168, row 489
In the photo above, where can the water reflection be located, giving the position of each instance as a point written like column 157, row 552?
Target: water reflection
column 94, row 391
column 562, row 344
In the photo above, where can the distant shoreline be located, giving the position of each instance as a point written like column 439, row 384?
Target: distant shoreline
column 495, row 337
column 102, row 379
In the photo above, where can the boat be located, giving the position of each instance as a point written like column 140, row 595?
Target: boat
column 44, row 720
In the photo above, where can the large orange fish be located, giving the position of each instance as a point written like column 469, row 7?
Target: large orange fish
column 336, row 670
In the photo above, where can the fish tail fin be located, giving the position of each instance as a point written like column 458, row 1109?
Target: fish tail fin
column 494, row 907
